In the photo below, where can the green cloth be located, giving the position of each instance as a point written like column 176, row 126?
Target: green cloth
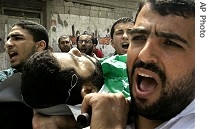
column 115, row 75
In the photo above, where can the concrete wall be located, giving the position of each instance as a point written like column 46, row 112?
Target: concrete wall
column 93, row 16
column 72, row 17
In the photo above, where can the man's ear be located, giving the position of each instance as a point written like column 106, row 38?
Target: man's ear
column 111, row 40
column 41, row 45
column 86, row 89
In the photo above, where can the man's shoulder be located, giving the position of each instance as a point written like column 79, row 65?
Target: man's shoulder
column 183, row 120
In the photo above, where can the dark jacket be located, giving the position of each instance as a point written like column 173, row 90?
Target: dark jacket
column 14, row 113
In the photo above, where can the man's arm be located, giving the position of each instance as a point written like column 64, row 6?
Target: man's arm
column 41, row 121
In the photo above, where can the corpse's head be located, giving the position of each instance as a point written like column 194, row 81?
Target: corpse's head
column 49, row 79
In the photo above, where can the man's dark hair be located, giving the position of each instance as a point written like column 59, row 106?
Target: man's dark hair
column 92, row 38
column 181, row 8
column 184, row 8
column 63, row 36
column 45, row 84
column 120, row 20
column 37, row 31
column 95, row 41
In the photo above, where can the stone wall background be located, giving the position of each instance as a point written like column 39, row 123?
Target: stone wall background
column 69, row 17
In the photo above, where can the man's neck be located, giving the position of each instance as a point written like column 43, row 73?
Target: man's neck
column 144, row 123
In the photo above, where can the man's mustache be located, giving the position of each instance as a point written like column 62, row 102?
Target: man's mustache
column 152, row 67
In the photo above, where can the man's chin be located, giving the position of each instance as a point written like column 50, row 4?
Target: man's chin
column 16, row 66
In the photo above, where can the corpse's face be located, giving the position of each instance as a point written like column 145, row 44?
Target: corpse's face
column 161, row 63
column 84, row 65
column 61, row 74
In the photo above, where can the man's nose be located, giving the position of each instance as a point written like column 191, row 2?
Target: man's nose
column 75, row 51
column 8, row 44
column 125, row 35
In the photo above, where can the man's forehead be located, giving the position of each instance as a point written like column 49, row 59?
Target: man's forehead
column 63, row 38
column 14, row 32
column 18, row 30
column 85, row 37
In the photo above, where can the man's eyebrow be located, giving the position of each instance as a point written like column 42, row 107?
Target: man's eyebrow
column 138, row 30
column 171, row 36
column 118, row 29
column 159, row 34
column 129, row 30
column 13, row 35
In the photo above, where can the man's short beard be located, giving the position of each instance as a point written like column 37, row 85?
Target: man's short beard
column 174, row 98
column 18, row 67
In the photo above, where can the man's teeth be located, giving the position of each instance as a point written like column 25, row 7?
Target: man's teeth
column 11, row 53
column 145, row 75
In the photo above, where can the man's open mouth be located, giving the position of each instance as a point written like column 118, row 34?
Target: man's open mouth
column 125, row 45
column 12, row 54
column 146, row 83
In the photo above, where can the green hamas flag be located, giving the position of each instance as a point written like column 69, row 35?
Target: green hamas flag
column 115, row 75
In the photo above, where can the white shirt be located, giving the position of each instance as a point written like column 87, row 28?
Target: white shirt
column 183, row 120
